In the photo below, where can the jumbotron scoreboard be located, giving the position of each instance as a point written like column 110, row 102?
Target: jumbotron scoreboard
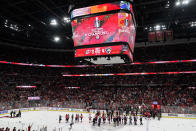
column 106, row 30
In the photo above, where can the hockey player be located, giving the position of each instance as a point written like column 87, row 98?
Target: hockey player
column 114, row 120
column 118, row 120
column 72, row 117
column 67, row 117
column 109, row 118
column 11, row 114
column 98, row 113
column 99, row 121
column 148, row 115
column 141, row 120
column 130, row 120
column 19, row 113
column 103, row 113
column 14, row 113
column 29, row 127
column 81, row 117
column 76, row 118
column 60, row 118
column 135, row 120
column 111, row 115
column 104, row 119
column 122, row 119
column 125, row 120
column 15, row 129
column 94, row 120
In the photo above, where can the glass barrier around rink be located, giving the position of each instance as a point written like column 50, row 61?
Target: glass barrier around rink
column 94, row 105
column 179, row 109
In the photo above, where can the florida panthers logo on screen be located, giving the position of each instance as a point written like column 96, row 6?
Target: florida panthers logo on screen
column 108, row 50
column 87, row 52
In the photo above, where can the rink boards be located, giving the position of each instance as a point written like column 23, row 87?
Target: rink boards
column 164, row 115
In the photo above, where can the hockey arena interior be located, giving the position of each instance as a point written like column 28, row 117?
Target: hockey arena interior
column 97, row 65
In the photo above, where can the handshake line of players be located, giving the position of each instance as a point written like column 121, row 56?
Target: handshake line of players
column 13, row 114
column 99, row 118
column 116, row 118
column 68, row 116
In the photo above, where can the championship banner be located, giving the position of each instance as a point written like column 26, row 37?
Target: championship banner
column 160, row 35
column 169, row 35
column 151, row 36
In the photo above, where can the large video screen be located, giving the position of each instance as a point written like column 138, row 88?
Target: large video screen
column 118, row 27
column 101, row 8
column 104, row 51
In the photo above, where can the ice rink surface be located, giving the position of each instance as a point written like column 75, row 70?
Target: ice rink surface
column 50, row 119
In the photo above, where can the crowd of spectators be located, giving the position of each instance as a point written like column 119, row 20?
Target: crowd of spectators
column 98, row 92
column 102, row 92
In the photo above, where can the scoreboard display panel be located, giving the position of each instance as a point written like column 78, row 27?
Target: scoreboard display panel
column 104, row 30
column 104, row 51
column 123, row 5
column 118, row 27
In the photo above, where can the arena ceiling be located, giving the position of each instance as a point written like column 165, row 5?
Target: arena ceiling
column 27, row 22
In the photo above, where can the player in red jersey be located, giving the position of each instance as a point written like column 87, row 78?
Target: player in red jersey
column 104, row 119
column 76, row 118
column 67, row 117
column 109, row 118
column 81, row 117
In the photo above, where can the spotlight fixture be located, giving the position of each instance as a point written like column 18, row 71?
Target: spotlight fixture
column 56, row 39
column 157, row 27
column 53, row 22
column 66, row 19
